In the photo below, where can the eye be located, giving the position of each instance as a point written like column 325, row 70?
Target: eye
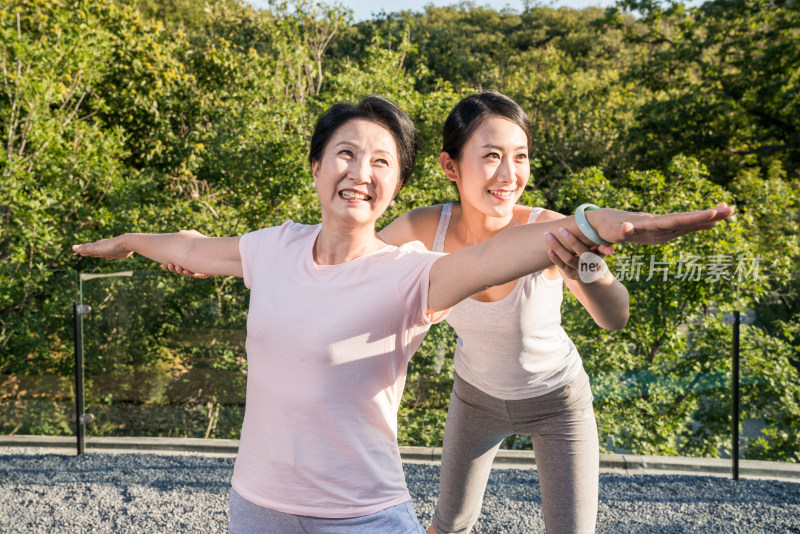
column 346, row 153
column 522, row 156
column 382, row 161
column 492, row 155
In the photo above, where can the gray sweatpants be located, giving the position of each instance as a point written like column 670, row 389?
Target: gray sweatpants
column 249, row 518
column 564, row 434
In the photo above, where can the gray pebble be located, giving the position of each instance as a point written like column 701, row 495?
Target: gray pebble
column 151, row 493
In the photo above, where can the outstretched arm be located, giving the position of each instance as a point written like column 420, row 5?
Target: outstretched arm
column 598, row 290
column 520, row 250
column 188, row 248
column 418, row 224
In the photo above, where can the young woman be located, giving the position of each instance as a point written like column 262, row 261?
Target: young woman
column 336, row 313
column 517, row 371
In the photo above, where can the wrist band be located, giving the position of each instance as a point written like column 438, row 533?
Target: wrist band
column 585, row 227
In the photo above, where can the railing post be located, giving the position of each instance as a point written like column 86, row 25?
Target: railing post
column 735, row 319
column 735, row 396
column 78, row 311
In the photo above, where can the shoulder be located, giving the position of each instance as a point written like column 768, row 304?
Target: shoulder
column 289, row 231
column 418, row 224
column 418, row 250
column 527, row 214
column 412, row 262
column 425, row 218
column 549, row 215
column 415, row 253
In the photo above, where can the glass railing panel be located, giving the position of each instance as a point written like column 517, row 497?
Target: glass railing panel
column 164, row 355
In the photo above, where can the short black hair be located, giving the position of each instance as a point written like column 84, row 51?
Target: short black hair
column 375, row 109
column 470, row 113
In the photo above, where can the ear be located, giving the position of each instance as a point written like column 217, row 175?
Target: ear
column 449, row 166
column 397, row 189
column 315, row 170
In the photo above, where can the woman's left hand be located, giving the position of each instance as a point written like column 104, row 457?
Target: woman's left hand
column 565, row 252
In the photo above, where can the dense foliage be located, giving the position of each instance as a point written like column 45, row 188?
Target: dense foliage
column 154, row 116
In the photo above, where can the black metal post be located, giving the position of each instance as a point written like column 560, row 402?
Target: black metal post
column 77, row 325
column 735, row 396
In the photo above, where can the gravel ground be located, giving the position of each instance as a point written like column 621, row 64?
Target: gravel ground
column 151, row 493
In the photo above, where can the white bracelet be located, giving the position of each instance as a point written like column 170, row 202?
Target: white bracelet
column 585, row 227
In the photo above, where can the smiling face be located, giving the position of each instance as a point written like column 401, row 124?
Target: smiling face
column 358, row 174
column 493, row 168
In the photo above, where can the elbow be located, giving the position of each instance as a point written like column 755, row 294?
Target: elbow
column 613, row 319
column 617, row 326
column 618, row 322
column 185, row 249
column 619, row 314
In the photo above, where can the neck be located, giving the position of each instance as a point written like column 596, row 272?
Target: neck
column 473, row 227
column 339, row 245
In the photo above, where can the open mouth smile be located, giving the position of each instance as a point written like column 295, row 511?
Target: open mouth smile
column 353, row 195
column 502, row 194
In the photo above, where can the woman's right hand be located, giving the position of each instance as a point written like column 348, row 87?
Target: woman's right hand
column 111, row 249
column 184, row 272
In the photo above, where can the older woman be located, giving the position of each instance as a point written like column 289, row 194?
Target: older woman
column 336, row 313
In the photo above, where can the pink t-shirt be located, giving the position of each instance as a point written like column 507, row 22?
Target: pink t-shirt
column 327, row 350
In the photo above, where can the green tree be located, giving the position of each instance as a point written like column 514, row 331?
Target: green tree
column 563, row 66
column 723, row 79
column 663, row 383
column 60, row 166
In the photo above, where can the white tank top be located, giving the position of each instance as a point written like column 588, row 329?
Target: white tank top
column 513, row 348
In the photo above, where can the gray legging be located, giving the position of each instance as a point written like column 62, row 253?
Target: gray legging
column 564, row 434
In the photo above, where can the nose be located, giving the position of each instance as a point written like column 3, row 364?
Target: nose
column 506, row 171
column 360, row 171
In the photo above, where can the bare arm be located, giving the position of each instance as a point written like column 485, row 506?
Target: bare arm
column 416, row 225
column 192, row 250
column 520, row 250
column 603, row 296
